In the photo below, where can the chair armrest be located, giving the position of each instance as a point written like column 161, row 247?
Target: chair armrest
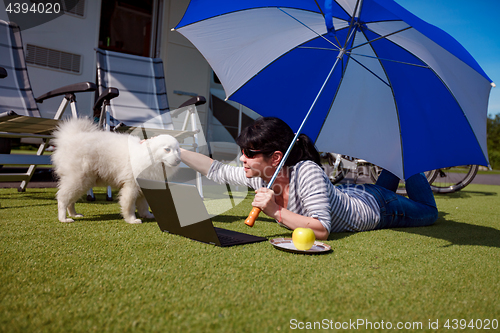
column 107, row 95
column 197, row 100
column 3, row 73
column 71, row 89
column 7, row 114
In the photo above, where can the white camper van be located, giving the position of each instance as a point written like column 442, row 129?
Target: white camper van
column 62, row 51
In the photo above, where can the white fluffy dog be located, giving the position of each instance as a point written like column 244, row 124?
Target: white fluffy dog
column 86, row 156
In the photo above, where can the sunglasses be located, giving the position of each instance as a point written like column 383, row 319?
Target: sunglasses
column 250, row 153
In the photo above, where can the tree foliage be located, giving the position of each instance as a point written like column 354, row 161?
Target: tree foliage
column 493, row 133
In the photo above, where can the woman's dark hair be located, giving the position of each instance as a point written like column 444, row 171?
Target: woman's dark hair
column 270, row 134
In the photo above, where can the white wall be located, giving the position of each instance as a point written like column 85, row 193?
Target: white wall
column 185, row 68
column 67, row 33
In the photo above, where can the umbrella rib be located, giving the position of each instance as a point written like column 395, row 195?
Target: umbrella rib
column 385, row 59
column 378, row 38
column 351, row 25
column 305, row 25
column 319, row 8
column 316, row 48
column 395, row 105
column 349, row 37
column 369, row 70
column 299, row 131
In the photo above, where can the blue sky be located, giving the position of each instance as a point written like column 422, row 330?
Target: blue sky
column 475, row 24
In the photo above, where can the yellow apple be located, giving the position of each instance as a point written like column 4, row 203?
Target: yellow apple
column 303, row 238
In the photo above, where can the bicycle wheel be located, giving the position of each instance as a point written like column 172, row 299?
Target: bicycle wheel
column 449, row 180
column 335, row 174
column 375, row 172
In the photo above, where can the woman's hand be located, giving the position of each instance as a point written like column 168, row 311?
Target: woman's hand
column 264, row 199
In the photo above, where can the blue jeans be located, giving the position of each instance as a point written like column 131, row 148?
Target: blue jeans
column 397, row 211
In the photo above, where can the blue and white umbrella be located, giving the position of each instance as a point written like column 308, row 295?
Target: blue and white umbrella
column 364, row 78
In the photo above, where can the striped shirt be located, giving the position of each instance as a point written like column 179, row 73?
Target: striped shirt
column 311, row 194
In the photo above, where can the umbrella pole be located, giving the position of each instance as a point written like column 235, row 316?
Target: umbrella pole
column 254, row 213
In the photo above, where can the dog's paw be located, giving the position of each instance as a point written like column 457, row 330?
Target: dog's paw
column 77, row 215
column 67, row 220
column 134, row 221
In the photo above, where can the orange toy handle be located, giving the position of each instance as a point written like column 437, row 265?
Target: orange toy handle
column 252, row 216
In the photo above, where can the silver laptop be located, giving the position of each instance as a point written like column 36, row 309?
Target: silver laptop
column 179, row 209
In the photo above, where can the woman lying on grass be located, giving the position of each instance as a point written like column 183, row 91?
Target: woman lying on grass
column 303, row 196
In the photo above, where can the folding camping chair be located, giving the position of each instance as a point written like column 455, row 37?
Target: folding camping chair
column 142, row 107
column 19, row 113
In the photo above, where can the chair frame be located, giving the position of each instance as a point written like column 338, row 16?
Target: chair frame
column 20, row 115
column 17, row 128
column 102, row 107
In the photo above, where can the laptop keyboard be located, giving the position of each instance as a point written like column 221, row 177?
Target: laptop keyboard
column 230, row 238
column 225, row 239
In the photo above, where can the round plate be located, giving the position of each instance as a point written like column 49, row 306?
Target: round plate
column 286, row 244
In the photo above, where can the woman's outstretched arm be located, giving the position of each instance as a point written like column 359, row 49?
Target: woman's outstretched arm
column 196, row 161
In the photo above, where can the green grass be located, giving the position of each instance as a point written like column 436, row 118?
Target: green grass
column 489, row 172
column 100, row 274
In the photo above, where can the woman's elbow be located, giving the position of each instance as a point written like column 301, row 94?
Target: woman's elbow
column 321, row 234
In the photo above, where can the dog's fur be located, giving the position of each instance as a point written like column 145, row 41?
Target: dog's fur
column 86, row 156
